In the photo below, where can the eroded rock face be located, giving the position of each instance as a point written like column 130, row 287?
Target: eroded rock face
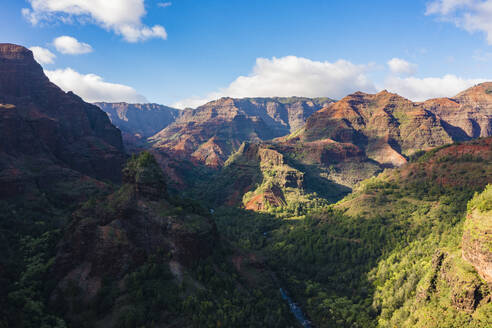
column 466, row 290
column 212, row 132
column 477, row 234
column 468, row 114
column 42, row 127
column 385, row 126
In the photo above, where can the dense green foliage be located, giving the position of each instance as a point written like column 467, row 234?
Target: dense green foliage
column 387, row 255
column 208, row 294
column 365, row 261
column 28, row 253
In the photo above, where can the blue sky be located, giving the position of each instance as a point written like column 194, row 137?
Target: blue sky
column 256, row 47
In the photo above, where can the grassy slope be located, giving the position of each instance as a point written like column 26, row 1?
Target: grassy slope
column 370, row 260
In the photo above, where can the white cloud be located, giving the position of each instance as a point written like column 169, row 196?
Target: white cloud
column 164, row 4
column 43, row 55
column 293, row 76
column 92, row 87
column 471, row 15
column 445, row 7
column 401, row 67
column 420, row 89
column 124, row 17
column 71, row 46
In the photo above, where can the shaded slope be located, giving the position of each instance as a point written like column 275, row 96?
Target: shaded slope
column 137, row 122
column 39, row 123
column 115, row 236
column 55, row 152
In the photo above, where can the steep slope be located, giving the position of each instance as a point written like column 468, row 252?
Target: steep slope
column 137, row 258
column 210, row 133
column 425, row 276
column 468, row 114
column 386, row 126
column 43, row 127
column 287, row 177
column 137, row 122
column 112, row 238
column 477, row 235
column 55, row 152
column 340, row 145
column 389, row 254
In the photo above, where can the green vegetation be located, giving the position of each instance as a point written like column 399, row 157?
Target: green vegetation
column 482, row 201
column 209, row 293
column 388, row 255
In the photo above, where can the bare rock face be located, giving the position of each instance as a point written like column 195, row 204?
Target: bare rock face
column 210, row 133
column 466, row 291
column 386, row 126
column 468, row 114
column 477, row 234
column 43, row 128
column 264, row 175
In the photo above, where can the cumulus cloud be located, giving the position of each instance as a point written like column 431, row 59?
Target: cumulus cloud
column 43, row 55
column 164, row 4
column 420, row 89
column 400, row 66
column 93, row 88
column 471, row 15
column 71, row 46
column 124, row 17
column 293, row 76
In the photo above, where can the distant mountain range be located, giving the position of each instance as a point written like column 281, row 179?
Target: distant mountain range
column 335, row 142
column 387, row 127
column 370, row 211
column 138, row 122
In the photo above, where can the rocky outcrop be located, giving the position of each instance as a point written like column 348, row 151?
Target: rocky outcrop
column 390, row 128
column 47, row 134
column 468, row 114
column 477, row 234
column 450, row 274
column 261, row 178
column 111, row 237
column 385, row 126
column 210, row 133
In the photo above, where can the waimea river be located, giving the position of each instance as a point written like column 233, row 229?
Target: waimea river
column 295, row 309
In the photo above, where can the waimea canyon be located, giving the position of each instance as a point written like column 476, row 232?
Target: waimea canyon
column 126, row 215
